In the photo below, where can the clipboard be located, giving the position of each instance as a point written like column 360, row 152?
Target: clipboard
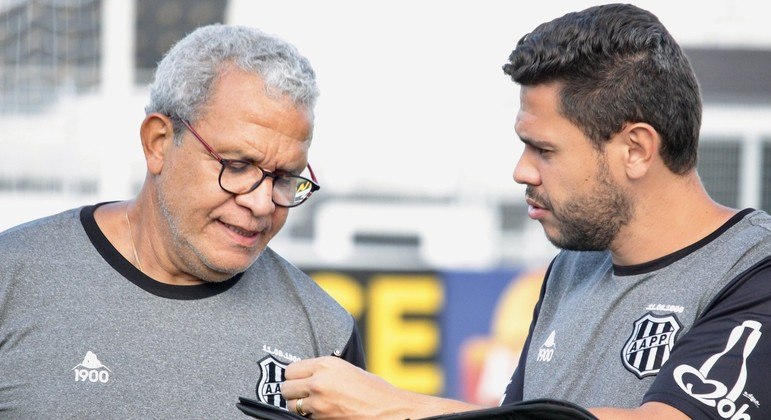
column 537, row 409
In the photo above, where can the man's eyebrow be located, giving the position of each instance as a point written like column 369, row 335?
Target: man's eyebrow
column 538, row 144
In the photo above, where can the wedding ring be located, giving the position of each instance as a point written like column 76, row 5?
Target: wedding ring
column 299, row 408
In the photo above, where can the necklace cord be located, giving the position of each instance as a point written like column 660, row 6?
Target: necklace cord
column 131, row 236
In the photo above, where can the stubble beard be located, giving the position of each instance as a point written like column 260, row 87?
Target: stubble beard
column 590, row 222
column 196, row 264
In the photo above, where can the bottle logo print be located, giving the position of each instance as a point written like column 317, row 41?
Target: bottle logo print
column 714, row 393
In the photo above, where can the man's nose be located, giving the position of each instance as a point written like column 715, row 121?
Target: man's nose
column 525, row 172
column 260, row 200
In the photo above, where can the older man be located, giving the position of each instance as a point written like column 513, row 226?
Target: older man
column 171, row 305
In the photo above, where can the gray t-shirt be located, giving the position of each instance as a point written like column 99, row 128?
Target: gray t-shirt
column 84, row 334
column 680, row 329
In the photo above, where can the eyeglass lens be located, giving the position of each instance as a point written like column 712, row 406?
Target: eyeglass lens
column 288, row 190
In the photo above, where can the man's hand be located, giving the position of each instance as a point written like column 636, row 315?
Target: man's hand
column 331, row 388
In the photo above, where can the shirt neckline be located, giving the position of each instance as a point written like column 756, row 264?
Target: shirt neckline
column 659, row 263
column 140, row 279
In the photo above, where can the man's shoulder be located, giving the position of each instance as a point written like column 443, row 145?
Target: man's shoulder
column 283, row 274
column 298, row 290
column 42, row 230
column 761, row 220
column 750, row 238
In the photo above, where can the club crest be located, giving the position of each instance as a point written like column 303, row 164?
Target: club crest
column 650, row 343
column 271, row 377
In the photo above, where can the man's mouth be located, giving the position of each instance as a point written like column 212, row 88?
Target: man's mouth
column 240, row 231
column 534, row 200
column 537, row 207
column 534, row 204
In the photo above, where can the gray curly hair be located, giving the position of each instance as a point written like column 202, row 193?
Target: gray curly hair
column 184, row 77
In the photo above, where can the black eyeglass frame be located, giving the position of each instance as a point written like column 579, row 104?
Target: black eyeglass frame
column 265, row 174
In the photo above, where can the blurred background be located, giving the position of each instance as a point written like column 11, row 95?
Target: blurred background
column 419, row 229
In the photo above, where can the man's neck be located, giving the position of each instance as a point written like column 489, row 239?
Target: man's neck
column 668, row 219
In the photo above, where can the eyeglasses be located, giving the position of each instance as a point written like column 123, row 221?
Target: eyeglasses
column 238, row 177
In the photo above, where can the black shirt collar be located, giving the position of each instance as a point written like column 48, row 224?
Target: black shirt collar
column 659, row 263
column 127, row 270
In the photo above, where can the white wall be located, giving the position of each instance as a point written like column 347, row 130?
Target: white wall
column 413, row 101
column 418, row 86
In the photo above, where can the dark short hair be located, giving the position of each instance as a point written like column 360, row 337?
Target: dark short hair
column 616, row 64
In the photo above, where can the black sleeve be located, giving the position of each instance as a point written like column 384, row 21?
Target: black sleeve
column 354, row 351
column 720, row 368
column 515, row 388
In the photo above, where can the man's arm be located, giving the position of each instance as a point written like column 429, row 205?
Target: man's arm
column 651, row 410
column 332, row 388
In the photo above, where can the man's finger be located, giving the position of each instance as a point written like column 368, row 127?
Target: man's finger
column 305, row 368
column 299, row 369
column 294, row 388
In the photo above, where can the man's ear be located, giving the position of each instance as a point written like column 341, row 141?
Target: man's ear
column 642, row 143
column 157, row 133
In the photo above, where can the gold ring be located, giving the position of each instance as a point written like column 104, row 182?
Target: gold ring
column 299, row 408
